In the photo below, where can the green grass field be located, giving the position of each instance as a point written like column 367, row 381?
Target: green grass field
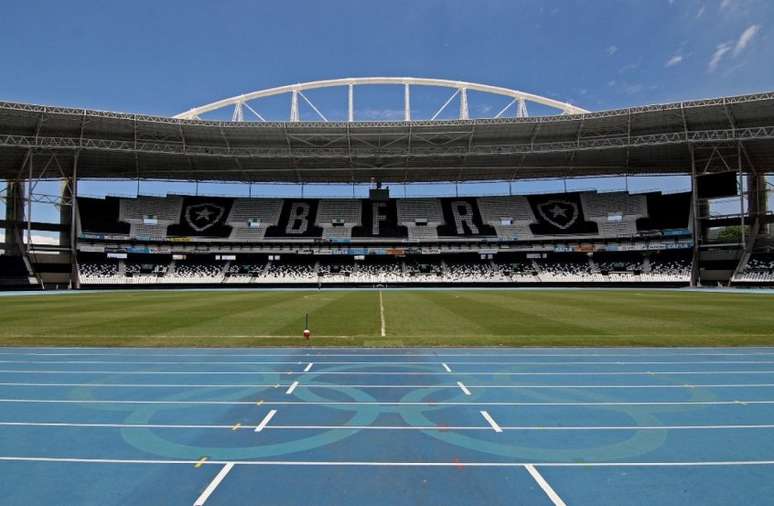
column 411, row 318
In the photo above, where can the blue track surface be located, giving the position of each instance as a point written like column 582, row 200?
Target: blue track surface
column 384, row 426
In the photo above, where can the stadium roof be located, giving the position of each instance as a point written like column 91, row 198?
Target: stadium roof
column 641, row 140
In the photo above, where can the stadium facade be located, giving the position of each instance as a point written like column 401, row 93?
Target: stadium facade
column 725, row 145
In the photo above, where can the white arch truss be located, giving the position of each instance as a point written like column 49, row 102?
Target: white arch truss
column 517, row 105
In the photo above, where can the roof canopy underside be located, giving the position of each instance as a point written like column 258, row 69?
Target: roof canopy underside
column 642, row 140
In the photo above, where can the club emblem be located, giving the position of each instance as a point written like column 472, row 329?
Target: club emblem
column 200, row 217
column 559, row 213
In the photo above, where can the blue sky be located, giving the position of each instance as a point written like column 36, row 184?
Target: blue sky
column 163, row 57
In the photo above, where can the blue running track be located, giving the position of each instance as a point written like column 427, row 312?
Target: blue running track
column 325, row 426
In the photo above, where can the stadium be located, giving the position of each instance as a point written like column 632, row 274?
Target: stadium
column 570, row 238
column 467, row 347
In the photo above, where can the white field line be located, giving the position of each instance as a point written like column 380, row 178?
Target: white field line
column 383, row 328
column 391, row 362
column 355, row 463
column 291, row 388
column 446, row 367
column 550, row 492
column 213, row 484
column 491, row 421
column 463, row 388
column 91, row 425
column 308, row 367
column 265, row 420
column 392, row 373
column 333, row 385
column 391, row 403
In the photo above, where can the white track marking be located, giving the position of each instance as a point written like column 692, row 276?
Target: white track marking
column 291, row 388
column 463, row 388
column 308, row 367
column 381, row 315
column 393, row 373
column 544, row 485
column 348, row 385
column 350, row 463
column 265, row 420
column 391, row 403
column 491, row 421
column 213, row 485
column 448, row 369
column 89, row 425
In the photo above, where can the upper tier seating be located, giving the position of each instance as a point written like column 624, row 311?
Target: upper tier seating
column 138, row 212
column 510, row 216
column 616, row 213
column 338, row 217
column 263, row 213
column 421, row 217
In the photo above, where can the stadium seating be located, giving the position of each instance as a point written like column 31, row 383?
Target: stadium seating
column 249, row 218
column 615, row 213
column 421, row 217
column 513, row 218
column 565, row 268
column 759, row 269
column 338, row 217
column 149, row 217
column 575, row 268
column 510, row 216
column 668, row 266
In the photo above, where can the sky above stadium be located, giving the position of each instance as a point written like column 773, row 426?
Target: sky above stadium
column 163, row 57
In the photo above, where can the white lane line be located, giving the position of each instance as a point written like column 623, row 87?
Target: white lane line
column 91, row 425
column 348, row 385
column 265, row 420
column 393, row 373
column 491, row 421
column 463, row 388
column 381, row 315
column 213, row 485
column 448, row 369
column 308, row 367
column 391, row 403
column 291, row 388
column 343, row 463
column 550, row 492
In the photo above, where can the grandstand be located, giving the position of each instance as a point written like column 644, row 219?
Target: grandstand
column 584, row 238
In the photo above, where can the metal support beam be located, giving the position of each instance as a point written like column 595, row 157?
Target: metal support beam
column 696, row 232
column 464, row 111
column 406, row 102
column 294, row 115
column 75, row 280
column 351, row 103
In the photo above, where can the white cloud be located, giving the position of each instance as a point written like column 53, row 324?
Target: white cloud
column 612, row 50
column 747, row 36
column 702, row 8
column 675, row 60
column 718, row 55
column 725, row 4
column 735, row 49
